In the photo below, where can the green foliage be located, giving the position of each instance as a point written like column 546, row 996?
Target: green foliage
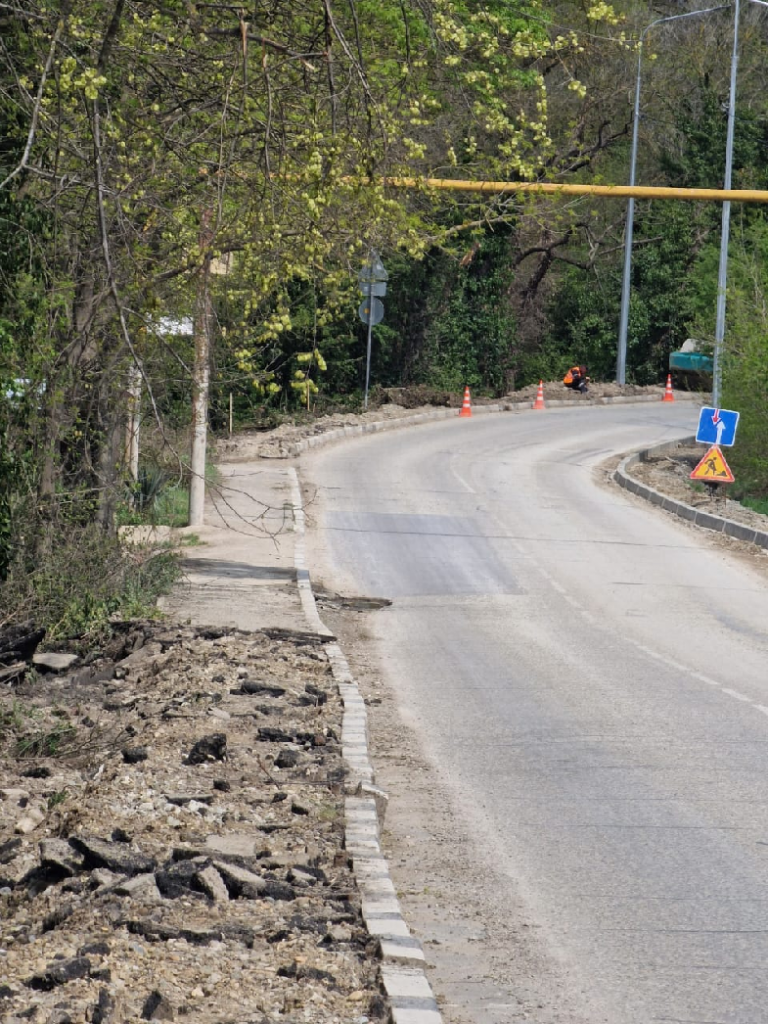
column 79, row 577
column 745, row 358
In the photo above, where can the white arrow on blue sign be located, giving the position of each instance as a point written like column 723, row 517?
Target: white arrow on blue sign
column 717, row 426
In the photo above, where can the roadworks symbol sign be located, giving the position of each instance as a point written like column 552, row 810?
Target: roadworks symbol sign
column 713, row 468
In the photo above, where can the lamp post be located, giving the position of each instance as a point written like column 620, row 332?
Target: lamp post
column 621, row 360
column 725, row 230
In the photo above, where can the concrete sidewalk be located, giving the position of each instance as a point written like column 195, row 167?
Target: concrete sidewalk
column 242, row 574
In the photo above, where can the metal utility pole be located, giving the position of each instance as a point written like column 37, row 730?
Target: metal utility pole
column 722, row 273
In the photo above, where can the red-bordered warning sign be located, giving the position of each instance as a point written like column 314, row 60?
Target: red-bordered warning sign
column 713, row 468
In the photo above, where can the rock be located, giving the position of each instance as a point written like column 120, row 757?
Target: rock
column 17, row 796
column 287, row 758
column 56, row 918
column 274, row 735
column 54, row 661
column 279, row 891
column 10, row 850
column 180, row 799
column 30, row 821
column 138, row 659
column 106, row 1010
column 320, row 696
column 208, row 748
column 212, row 884
column 118, row 857
column 59, row 973
column 179, row 878
column 235, row 844
column 59, row 1015
column 302, row 972
column 58, row 854
column 94, row 949
column 18, row 643
column 139, row 887
column 261, row 689
column 134, row 755
column 299, row 808
column 103, row 878
column 158, row 1006
column 240, row 882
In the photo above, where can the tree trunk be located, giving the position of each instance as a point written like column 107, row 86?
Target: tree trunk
column 200, row 389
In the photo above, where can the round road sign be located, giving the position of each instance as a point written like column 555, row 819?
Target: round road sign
column 371, row 311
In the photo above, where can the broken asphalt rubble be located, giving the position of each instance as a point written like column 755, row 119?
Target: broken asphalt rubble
column 175, row 806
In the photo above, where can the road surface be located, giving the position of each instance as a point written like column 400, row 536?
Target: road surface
column 582, row 682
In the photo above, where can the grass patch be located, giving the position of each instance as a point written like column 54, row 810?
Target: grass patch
column 756, row 504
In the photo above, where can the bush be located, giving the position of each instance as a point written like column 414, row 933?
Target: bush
column 75, row 578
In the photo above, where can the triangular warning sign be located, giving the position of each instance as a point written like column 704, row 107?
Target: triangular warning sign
column 713, row 468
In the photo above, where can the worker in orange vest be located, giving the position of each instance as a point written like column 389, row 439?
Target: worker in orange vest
column 577, row 379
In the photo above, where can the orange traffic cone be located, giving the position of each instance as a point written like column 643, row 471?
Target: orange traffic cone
column 466, row 407
column 539, row 403
column 668, row 396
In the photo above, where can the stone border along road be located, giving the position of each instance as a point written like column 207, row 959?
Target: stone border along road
column 408, row 990
column 706, row 520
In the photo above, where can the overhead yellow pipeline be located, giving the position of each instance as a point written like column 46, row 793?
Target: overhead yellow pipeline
column 718, row 195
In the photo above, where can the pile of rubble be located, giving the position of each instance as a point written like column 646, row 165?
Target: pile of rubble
column 172, row 836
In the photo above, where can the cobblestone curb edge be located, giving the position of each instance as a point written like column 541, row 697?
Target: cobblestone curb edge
column 410, row 996
column 706, row 520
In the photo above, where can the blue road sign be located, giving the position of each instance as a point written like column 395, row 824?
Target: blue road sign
column 717, row 426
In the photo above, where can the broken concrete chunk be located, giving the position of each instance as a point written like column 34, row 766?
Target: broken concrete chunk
column 59, row 973
column 57, row 853
column 54, row 661
column 158, row 1006
column 119, row 857
column 30, row 821
column 287, row 758
column 240, row 882
column 140, row 886
column 134, row 755
column 212, row 884
column 9, row 850
column 208, row 748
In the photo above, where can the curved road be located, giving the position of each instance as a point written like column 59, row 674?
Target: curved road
column 589, row 678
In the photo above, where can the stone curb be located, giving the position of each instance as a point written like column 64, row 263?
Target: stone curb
column 410, row 996
column 356, row 430
column 706, row 520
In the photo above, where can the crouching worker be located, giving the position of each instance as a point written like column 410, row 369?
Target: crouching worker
column 577, row 379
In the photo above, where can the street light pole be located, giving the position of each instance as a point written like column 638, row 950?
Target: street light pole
column 621, row 360
column 722, row 272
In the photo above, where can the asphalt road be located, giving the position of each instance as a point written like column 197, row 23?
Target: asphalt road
column 591, row 676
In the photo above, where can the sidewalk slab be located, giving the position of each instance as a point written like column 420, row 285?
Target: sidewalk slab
column 242, row 574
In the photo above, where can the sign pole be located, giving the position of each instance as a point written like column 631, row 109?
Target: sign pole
column 368, row 354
